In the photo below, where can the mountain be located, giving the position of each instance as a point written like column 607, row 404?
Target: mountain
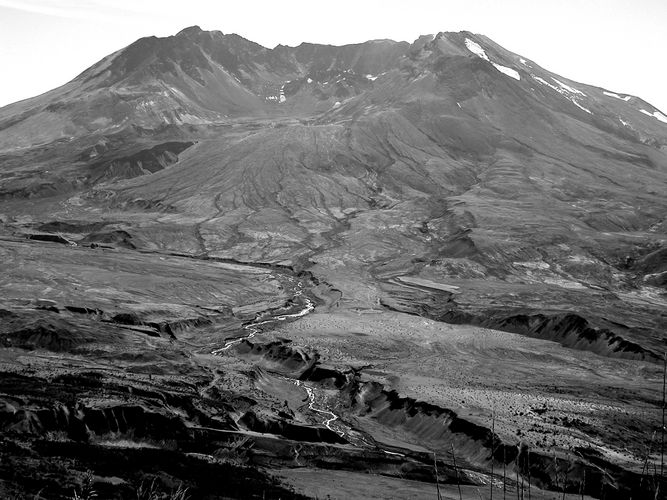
column 447, row 181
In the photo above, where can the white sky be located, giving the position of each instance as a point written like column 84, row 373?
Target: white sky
column 617, row 44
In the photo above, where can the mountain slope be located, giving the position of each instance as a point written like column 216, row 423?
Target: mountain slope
column 447, row 180
column 313, row 137
column 476, row 150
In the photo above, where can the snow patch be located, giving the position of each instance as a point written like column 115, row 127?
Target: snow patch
column 659, row 116
column 544, row 82
column 310, row 80
column 282, row 94
column 523, row 61
column 568, row 88
column 477, row 49
column 656, row 114
column 336, row 104
column 564, row 89
column 616, row 96
column 580, row 106
column 508, row 71
column 624, row 122
column 371, row 78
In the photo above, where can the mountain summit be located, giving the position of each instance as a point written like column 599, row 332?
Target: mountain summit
column 289, row 240
column 198, row 77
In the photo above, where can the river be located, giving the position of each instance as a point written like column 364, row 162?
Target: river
column 254, row 328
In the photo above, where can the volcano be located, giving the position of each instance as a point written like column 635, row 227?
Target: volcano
column 310, row 268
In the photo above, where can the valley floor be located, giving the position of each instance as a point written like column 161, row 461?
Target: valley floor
column 120, row 368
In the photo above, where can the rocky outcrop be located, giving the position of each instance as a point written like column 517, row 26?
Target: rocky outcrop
column 53, row 238
column 568, row 329
column 279, row 355
column 144, row 162
column 53, row 334
column 289, row 430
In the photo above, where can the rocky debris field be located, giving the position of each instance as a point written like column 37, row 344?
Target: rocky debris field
column 229, row 373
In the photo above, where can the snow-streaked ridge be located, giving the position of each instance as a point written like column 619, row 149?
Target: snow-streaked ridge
column 567, row 87
column 561, row 87
column 580, row 106
column 565, row 90
column 656, row 114
column 616, row 96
